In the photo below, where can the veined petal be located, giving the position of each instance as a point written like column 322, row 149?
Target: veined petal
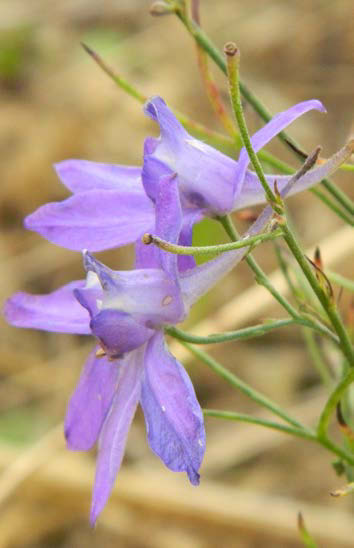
column 97, row 220
column 58, row 311
column 82, row 175
column 115, row 429
column 279, row 122
column 174, row 420
column 90, row 403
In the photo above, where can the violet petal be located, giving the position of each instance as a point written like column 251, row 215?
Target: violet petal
column 96, row 220
column 82, row 175
column 58, row 311
column 90, row 403
column 174, row 420
column 115, row 429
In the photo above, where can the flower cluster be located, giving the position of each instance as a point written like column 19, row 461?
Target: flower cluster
column 182, row 180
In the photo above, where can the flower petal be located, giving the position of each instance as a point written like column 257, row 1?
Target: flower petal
column 90, row 403
column 118, row 332
column 115, row 429
column 205, row 175
column 58, row 311
column 190, row 218
column 168, row 221
column 174, row 420
column 279, row 122
column 252, row 192
column 95, row 220
column 81, row 176
column 148, row 295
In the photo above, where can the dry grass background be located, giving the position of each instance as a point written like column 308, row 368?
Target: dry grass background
column 55, row 104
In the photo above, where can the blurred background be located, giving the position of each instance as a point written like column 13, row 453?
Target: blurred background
column 57, row 104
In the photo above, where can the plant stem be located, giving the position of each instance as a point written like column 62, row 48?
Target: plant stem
column 233, row 65
column 201, row 131
column 316, row 358
column 242, row 386
column 332, row 402
column 240, row 334
column 325, row 300
column 340, row 280
column 261, row 277
column 208, row 249
column 247, row 332
column 204, row 41
column 241, row 417
column 337, row 210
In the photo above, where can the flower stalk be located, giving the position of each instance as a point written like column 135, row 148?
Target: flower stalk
column 233, row 64
column 214, row 53
column 210, row 249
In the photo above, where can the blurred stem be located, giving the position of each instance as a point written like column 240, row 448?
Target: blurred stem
column 242, row 386
column 340, row 280
column 204, row 41
column 333, row 206
column 191, row 125
column 316, row 357
column 332, row 402
column 240, row 417
column 211, row 88
column 326, row 300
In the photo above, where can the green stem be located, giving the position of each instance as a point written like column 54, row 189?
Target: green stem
column 233, row 65
column 261, row 277
column 204, row 41
column 241, row 417
column 341, row 197
column 286, row 169
column 340, row 280
column 332, row 402
column 316, row 358
column 248, row 332
column 240, row 334
column 208, row 249
column 242, row 386
column 337, row 210
column 325, row 300
column 215, row 138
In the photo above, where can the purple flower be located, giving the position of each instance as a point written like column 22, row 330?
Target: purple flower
column 114, row 205
column 126, row 312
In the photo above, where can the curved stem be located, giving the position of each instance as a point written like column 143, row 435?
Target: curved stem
column 261, row 277
column 204, row 41
column 233, row 64
column 325, row 300
column 241, row 417
column 332, row 402
column 240, row 334
column 208, row 249
column 232, row 379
